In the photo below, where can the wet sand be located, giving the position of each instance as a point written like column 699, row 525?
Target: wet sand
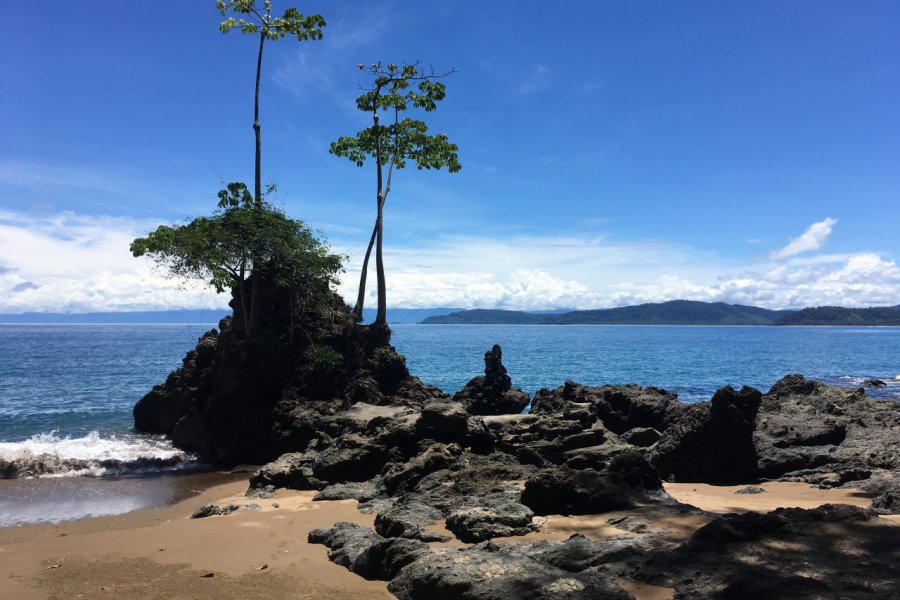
column 58, row 499
column 263, row 553
column 162, row 553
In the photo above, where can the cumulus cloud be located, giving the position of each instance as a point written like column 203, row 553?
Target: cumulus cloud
column 75, row 263
column 810, row 240
column 530, row 273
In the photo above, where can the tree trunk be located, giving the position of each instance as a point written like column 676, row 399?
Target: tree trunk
column 256, row 285
column 257, row 175
column 242, row 292
column 361, row 296
column 381, row 315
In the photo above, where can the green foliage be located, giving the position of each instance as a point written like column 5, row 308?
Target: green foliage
column 240, row 237
column 251, row 19
column 384, row 355
column 326, row 356
column 405, row 139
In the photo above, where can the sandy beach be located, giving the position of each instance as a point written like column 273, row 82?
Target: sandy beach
column 162, row 553
column 262, row 552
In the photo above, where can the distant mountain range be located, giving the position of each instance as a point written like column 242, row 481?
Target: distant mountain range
column 679, row 312
column 676, row 312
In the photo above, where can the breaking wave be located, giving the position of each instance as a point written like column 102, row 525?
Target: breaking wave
column 48, row 455
column 890, row 389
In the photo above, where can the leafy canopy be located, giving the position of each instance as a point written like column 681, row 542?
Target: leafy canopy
column 291, row 22
column 398, row 88
column 239, row 238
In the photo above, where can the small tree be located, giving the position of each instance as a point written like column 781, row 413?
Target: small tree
column 261, row 22
column 393, row 145
column 249, row 19
column 241, row 239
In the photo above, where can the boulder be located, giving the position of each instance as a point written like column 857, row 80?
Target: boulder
column 567, row 491
column 494, row 515
column 808, row 431
column 351, row 457
column 443, row 421
column 484, row 573
column 619, row 407
column 402, row 477
column 872, row 382
column 211, row 510
column 713, row 441
column 293, row 470
column 887, row 503
column 492, row 393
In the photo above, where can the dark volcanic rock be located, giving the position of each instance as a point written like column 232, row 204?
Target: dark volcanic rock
column 834, row 551
column 351, row 457
column 556, row 438
column 887, row 503
column 641, row 436
column 492, row 393
column 293, row 471
column 401, row 477
column 750, row 489
column 535, row 571
column 481, row 573
column 628, row 478
column 490, row 516
column 808, row 431
column 211, row 510
column 713, row 441
column 408, row 520
column 242, row 399
column 443, row 422
column 619, row 407
column 872, row 382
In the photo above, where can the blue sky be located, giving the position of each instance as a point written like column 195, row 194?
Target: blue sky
column 613, row 152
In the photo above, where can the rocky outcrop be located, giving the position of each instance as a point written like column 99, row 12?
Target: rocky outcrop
column 241, row 399
column 713, row 441
column 343, row 416
column 485, row 571
column 627, row 479
column 828, row 435
column 833, row 551
column 492, row 393
column 619, row 407
column 801, row 430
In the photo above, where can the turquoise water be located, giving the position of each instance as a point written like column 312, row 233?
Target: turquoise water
column 70, row 389
column 66, row 391
column 691, row 360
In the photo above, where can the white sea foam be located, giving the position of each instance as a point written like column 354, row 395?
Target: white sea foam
column 49, row 455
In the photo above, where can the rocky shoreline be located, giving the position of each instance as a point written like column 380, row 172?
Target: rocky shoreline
column 473, row 470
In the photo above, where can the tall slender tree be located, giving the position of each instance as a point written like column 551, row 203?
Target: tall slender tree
column 395, row 89
column 247, row 17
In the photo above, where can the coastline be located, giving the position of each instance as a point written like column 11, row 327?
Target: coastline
column 263, row 552
column 162, row 552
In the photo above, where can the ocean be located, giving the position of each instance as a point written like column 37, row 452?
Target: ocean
column 66, row 391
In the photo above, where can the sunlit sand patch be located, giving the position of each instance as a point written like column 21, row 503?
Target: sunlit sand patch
column 777, row 494
column 645, row 591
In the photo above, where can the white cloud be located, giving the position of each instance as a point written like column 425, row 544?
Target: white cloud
column 75, row 263
column 532, row 272
column 810, row 240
